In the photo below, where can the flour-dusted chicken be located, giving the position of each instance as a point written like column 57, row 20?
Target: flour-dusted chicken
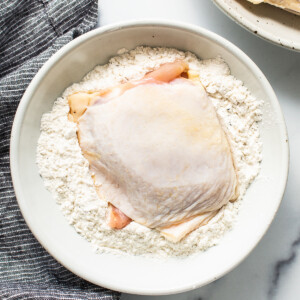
column 66, row 169
column 289, row 5
column 158, row 152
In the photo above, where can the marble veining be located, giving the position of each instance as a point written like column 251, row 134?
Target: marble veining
column 282, row 265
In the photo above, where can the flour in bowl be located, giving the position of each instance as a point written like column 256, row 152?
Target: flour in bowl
column 66, row 172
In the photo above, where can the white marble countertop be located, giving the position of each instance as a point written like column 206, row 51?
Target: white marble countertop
column 272, row 270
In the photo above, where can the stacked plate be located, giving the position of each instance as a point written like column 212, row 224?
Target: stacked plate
column 269, row 22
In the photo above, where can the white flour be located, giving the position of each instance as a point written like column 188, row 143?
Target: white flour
column 66, row 172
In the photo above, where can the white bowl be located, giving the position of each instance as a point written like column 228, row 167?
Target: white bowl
column 134, row 274
column 268, row 22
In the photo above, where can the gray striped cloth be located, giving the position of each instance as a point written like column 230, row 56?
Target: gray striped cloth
column 30, row 32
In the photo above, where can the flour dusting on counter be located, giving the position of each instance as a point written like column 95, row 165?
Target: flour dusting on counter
column 66, row 172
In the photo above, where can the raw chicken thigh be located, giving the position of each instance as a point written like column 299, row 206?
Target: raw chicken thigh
column 157, row 152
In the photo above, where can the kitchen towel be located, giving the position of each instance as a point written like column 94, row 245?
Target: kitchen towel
column 30, row 32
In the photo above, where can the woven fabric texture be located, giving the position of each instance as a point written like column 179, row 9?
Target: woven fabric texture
column 30, row 32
